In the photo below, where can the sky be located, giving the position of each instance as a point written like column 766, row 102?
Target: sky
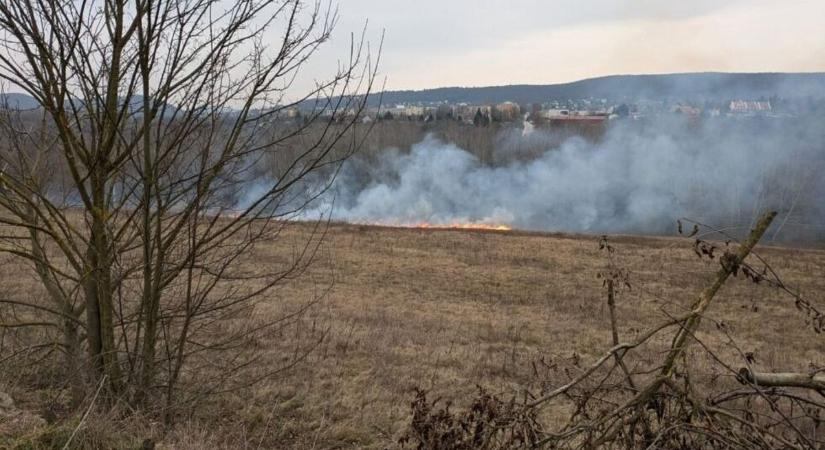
column 436, row 43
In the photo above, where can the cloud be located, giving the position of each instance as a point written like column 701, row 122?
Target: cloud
column 430, row 44
column 436, row 24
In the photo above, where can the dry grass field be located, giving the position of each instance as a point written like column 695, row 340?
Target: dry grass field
column 449, row 310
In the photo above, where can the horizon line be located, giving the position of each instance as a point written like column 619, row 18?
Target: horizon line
column 601, row 77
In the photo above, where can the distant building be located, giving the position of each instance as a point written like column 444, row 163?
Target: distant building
column 414, row 111
column 749, row 107
column 565, row 116
column 507, row 111
column 397, row 111
column 554, row 113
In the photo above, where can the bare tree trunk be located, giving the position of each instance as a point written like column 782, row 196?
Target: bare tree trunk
column 75, row 366
column 70, row 320
column 99, row 290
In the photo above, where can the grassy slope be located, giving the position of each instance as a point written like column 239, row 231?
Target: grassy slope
column 449, row 310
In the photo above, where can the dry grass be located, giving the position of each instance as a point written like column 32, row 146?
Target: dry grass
column 449, row 310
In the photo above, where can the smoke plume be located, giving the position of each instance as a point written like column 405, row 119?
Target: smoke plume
column 639, row 178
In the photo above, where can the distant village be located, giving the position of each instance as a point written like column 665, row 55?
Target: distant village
column 583, row 111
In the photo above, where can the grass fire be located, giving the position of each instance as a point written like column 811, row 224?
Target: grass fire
column 275, row 224
column 447, row 226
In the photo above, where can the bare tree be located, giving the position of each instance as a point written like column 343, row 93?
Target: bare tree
column 136, row 190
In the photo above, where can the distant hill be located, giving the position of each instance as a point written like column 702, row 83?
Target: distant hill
column 682, row 86
column 685, row 86
column 18, row 101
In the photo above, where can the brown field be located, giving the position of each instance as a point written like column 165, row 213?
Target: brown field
column 448, row 310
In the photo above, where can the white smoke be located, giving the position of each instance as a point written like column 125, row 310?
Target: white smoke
column 636, row 179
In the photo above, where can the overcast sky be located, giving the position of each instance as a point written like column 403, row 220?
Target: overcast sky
column 433, row 43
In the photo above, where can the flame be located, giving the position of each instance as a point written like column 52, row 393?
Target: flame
column 464, row 226
column 448, row 226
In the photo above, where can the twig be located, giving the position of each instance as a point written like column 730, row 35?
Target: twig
column 86, row 414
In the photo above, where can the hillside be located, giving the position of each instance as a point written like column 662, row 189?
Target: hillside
column 449, row 310
column 16, row 100
column 693, row 86
column 682, row 86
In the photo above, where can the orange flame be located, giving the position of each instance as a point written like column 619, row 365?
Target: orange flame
column 449, row 226
column 464, row 226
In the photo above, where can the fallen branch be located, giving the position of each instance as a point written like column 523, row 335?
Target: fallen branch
column 789, row 379
column 730, row 264
column 615, row 350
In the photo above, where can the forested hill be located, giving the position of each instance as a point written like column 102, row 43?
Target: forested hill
column 687, row 86
column 684, row 86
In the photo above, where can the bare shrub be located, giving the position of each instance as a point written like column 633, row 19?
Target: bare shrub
column 488, row 423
